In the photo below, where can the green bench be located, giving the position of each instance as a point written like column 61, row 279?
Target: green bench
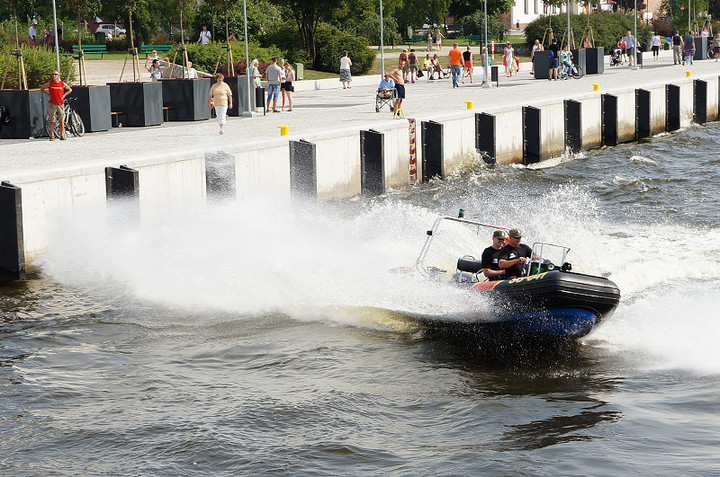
column 475, row 39
column 148, row 49
column 91, row 50
column 415, row 38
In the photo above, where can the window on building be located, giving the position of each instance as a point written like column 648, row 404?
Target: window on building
column 536, row 6
column 527, row 6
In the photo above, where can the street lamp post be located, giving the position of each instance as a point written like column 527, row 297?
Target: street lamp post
column 487, row 55
column 382, row 42
column 250, row 112
column 635, row 46
column 57, row 48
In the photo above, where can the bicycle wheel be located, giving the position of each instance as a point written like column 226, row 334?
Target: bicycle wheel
column 47, row 128
column 76, row 124
column 577, row 72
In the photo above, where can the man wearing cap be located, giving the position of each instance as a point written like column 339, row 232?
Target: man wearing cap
column 489, row 260
column 513, row 256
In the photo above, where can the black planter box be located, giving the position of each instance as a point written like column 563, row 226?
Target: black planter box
column 92, row 103
column 594, row 61
column 27, row 111
column 187, row 99
column 541, row 64
column 239, row 85
column 701, row 49
column 580, row 58
column 137, row 104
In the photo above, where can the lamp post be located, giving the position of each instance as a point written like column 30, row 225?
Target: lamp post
column 57, row 48
column 382, row 42
column 487, row 55
column 250, row 113
column 635, row 45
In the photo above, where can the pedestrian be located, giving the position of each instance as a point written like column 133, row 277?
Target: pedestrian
column 46, row 36
column 716, row 46
column 205, row 36
column 57, row 90
column 190, row 72
column 623, row 50
column 429, row 42
column 220, row 99
column 689, row 45
column 397, row 76
column 413, row 65
column 630, row 46
column 509, row 59
column 427, row 66
column 655, row 46
column 467, row 65
column 484, row 64
column 345, row 64
column 32, row 33
column 403, row 60
column 288, row 87
column 455, row 60
column 438, row 39
column 232, row 37
column 273, row 75
column 536, row 47
column 156, row 71
column 553, row 56
column 677, row 43
column 254, row 73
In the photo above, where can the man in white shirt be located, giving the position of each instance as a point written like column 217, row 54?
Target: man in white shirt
column 32, row 32
column 205, row 36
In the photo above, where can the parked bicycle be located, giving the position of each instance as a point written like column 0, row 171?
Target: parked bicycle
column 73, row 121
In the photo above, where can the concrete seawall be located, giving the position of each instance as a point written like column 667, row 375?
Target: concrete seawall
column 262, row 165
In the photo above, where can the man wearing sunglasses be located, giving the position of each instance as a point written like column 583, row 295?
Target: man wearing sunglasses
column 513, row 256
column 57, row 90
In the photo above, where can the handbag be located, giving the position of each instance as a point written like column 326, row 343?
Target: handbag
column 420, row 74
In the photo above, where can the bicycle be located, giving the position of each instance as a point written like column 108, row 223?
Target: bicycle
column 562, row 71
column 73, row 121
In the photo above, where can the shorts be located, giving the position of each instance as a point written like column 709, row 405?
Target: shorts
column 56, row 111
column 287, row 86
column 273, row 92
column 400, row 91
column 630, row 51
column 690, row 52
column 554, row 62
column 468, row 64
column 413, row 67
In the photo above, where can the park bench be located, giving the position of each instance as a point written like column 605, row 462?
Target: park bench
column 475, row 39
column 415, row 38
column 148, row 49
column 91, row 50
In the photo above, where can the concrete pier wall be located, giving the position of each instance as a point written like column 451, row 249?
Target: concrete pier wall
column 262, row 169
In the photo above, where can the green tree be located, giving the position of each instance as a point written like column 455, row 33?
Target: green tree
column 463, row 8
column 415, row 13
column 307, row 15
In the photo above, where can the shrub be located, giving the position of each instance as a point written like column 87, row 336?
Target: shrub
column 663, row 27
column 39, row 63
column 474, row 24
column 607, row 28
column 331, row 43
column 205, row 57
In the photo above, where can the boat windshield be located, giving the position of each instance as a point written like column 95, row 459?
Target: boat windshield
column 449, row 240
column 546, row 257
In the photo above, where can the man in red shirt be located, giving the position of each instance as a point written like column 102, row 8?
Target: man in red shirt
column 455, row 56
column 57, row 90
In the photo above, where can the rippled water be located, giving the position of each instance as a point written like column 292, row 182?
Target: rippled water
column 250, row 338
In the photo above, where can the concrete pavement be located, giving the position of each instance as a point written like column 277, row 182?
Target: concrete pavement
column 325, row 106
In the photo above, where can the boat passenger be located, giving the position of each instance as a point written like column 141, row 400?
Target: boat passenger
column 489, row 260
column 513, row 256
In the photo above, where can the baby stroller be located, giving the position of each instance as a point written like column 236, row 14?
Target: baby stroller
column 616, row 57
column 384, row 98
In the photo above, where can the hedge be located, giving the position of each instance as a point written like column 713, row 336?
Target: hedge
column 607, row 28
column 39, row 63
column 330, row 45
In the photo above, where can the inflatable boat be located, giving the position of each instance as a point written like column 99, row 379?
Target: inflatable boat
column 548, row 301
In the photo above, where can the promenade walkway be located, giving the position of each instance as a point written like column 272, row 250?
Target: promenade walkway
column 324, row 109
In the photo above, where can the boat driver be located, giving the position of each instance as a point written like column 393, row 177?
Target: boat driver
column 513, row 256
column 489, row 260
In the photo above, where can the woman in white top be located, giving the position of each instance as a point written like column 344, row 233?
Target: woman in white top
column 345, row 65
column 190, row 73
column 655, row 44
column 536, row 47
column 509, row 59
column 287, row 87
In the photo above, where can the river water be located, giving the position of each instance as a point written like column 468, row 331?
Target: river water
column 258, row 337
